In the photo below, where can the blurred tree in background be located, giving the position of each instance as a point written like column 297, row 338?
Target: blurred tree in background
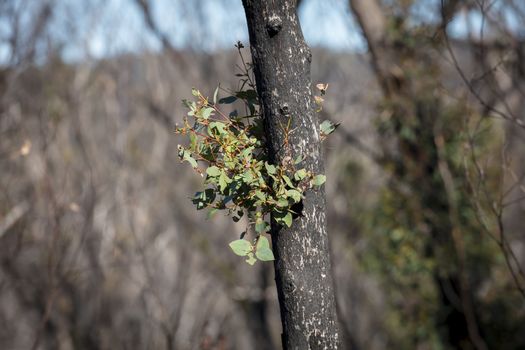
column 100, row 248
column 427, row 237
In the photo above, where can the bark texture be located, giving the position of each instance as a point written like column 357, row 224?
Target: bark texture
column 302, row 266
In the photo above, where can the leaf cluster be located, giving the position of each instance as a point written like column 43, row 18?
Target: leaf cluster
column 229, row 151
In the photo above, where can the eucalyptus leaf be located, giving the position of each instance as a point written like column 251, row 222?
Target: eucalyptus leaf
column 213, row 171
column 228, row 100
column 300, row 174
column 288, row 181
column 294, row 194
column 264, row 254
column 262, row 242
column 224, row 180
column 282, row 202
column 283, row 218
column 327, row 127
column 287, row 219
column 189, row 159
column 241, row 247
column 206, row 112
column 260, row 225
column 318, row 180
column 270, row 168
column 239, row 176
column 262, row 249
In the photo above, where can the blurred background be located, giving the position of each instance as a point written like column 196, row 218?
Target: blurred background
column 101, row 248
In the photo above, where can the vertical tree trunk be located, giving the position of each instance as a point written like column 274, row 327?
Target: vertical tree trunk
column 420, row 168
column 302, row 267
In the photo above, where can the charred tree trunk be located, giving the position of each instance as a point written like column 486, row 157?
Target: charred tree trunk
column 302, row 267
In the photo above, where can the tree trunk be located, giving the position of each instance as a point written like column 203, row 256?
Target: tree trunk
column 419, row 167
column 302, row 263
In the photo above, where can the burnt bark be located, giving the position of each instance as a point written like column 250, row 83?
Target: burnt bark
column 302, row 263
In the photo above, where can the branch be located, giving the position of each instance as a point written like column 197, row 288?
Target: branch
column 12, row 217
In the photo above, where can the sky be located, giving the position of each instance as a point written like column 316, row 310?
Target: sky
column 325, row 23
column 94, row 29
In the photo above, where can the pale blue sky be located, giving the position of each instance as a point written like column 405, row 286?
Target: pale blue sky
column 325, row 23
column 102, row 28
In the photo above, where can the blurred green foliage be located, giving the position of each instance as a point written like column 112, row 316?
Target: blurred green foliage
column 441, row 267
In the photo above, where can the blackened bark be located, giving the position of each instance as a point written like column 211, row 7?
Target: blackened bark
column 302, row 266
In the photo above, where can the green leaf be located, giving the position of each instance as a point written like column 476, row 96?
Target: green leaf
column 327, row 127
column 283, row 218
column 261, row 225
column 298, row 159
column 187, row 157
column 227, row 100
column 195, row 92
column 318, row 180
column 247, row 153
column 283, row 203
column 288, row 181
column 263, row 251
column 262, row 242
column 224, row 180
column 213, row 171
column 218, row 127
column 300, row 174
column 251, row 259
column 241, row 247
column 193, row 141
column 247, row 177
column 294, row 194
column 287, row 219
column 270, row 168
column 265, row 254
column 206, row 112
column 260, row 195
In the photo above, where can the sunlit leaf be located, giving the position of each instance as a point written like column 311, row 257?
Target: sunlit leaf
column 263, row 251
column 327, row 127
column 318, row 180
column 206, row 112
column 264, row 254
column 262, row 242
column 261, row 225
column 294, row 194
column 241, row 247
column 270, row 168
column 213, row 171
column 300, row 174
column 288, row 181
